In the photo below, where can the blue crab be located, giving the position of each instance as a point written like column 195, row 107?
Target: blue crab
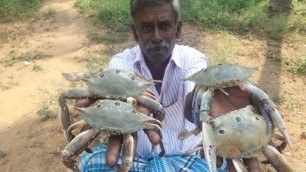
column 238, row 134
column 116, row 84
column 114, row 117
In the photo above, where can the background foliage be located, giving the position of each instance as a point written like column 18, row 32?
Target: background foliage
column 17, row 9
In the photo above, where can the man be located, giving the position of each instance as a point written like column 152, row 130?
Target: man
column 156, row 25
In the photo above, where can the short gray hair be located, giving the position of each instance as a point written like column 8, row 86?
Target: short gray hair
column 135, row 4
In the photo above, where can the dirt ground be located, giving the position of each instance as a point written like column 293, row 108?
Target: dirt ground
column 56, row 40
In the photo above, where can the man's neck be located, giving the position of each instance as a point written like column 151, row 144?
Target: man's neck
column 157, row 69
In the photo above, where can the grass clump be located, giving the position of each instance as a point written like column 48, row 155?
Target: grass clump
column 14, row 57
column 93, row 61
column 45, row 113
column 298, row 67
column 17, row 9
column 108, row 38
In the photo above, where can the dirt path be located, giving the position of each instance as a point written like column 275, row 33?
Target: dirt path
column 52, row 43
column 32, row 145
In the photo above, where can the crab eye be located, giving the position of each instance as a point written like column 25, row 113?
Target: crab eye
column 221, row 131
column 133, row 111
column 257, row 118
column 102, row 75
column 117, row 104
column 98, row 106
column 132, row 78
column 238, row 119
column 117, row 71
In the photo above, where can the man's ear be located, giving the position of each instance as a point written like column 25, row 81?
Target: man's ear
column 134, row 32
column 178, row 30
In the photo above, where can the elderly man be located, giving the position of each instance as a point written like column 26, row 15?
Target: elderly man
column 156, row 25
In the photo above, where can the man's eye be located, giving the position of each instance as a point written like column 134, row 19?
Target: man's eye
column 146, row 28
column 166, row 26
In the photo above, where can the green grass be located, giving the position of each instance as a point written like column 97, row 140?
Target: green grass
column 299, row 66
column 94, row 61
column 243, row 17
column 108, row 38
column 11, row 10
column 45, row 113
column 37, row 68
column 114, row 13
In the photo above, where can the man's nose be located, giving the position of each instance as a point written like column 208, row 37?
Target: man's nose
column 156, row 35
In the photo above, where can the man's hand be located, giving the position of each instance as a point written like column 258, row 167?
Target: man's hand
column 223, row 104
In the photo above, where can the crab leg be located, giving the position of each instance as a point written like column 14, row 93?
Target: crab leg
column 128, row 147
column 156, row 127
column 199, row 147
column 64, row 111
column 196, row 103
column 76, row 146
column 208, row 141
column 276, row 159
column 239, row 166
column 157, row 109
column 76, row 76
column 80, row 124
column 267, row 104
column 184, row 134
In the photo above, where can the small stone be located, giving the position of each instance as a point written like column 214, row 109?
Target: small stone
column 303, row 135
column 26, row 63
column 287, row 153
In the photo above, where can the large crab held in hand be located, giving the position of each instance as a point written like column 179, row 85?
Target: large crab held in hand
column 112, row 84
column 115, row 117
column 241, row 133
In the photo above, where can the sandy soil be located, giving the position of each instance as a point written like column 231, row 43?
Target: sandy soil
column 60, row 36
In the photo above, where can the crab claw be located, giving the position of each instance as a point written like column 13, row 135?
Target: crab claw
column 209, row 147
column 276, row 159
column 76, row 146
column 269, row 106
column 76, row 76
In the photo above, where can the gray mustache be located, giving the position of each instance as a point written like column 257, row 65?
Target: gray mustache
column 151, row 45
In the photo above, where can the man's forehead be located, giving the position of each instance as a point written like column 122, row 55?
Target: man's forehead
column 160, row 12
column 133, row 2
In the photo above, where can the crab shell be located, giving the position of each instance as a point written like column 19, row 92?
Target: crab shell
column 115, row 116
column 115, row 83
column 234, row 133
column 221, row 76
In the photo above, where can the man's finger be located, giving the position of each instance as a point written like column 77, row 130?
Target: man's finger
column 252, row 164
column 113, row 150
column 153, row 136
column 84, row 102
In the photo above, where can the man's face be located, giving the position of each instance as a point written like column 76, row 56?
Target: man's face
column 155, row 28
